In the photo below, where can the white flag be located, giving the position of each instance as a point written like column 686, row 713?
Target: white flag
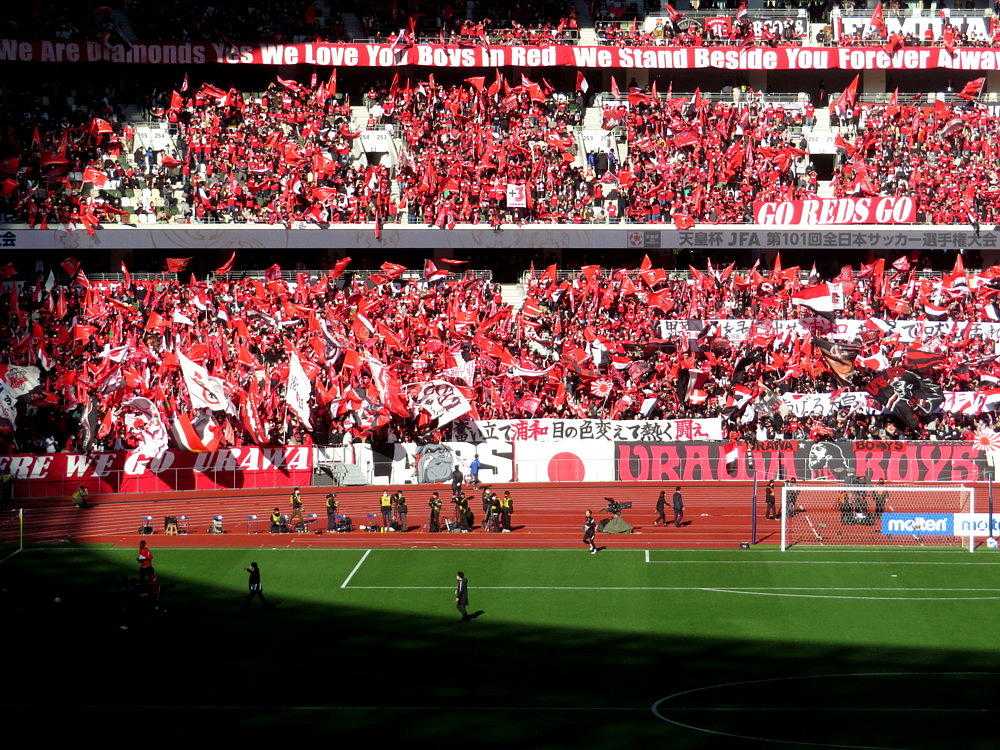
column 443, row 401
column 143, row 416
column 179, row 317
column 19, row 379
column 517, row 197
column 206, row 392
column 298, row 390
column 8, row 403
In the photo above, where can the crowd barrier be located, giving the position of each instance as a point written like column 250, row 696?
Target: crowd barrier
column 501, row 461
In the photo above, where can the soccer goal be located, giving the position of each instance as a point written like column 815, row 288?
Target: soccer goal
column 11, row 533
column 835, row 515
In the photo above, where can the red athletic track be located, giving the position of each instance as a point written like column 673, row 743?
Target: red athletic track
column 717, row 514
column 545, row 515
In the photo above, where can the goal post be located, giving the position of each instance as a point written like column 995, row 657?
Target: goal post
column 11, row 533
column 882, row 515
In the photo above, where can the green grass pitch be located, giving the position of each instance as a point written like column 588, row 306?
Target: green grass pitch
column 680, row 649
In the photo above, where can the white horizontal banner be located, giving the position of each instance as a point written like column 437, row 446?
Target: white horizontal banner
column 859, row 402
column 615, row 430
column 737, row 330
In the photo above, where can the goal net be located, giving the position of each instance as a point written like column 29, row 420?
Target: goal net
column 879, row 515
column 11, row 533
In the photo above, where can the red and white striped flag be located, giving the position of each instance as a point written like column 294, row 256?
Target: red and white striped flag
column 204, row 438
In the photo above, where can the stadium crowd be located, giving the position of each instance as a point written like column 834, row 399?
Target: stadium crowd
column 598, row 344
column 487, row 151
column 944, row 156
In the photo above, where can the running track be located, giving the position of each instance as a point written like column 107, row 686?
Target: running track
column 716, row 514
column 545, row 515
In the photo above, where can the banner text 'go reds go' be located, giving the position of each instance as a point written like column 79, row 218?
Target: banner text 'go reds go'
column 60, row 474
column 883, row 209
column 494, row 56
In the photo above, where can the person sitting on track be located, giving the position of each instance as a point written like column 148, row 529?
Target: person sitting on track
column 278, row 525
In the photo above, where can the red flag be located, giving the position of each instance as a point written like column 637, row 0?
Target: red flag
column 331, row 84
column 972, row 89
column 126, row 276
column 170, row 162
column 614, row 88
column 432, row 272
column 227, row 266
column 70, row 266
column 339, row 267
column 452, row 262
column 581, row 82
column 848, row 96
column 177, row 265
column 95, row 177
column 272, row 273
column 176, row 101
column 877, row 21
column 100, row 127
column 477, row 82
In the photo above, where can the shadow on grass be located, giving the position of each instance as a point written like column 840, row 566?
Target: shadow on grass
column 208, row 668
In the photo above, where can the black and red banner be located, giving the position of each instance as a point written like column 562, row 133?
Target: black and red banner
column 842, row 461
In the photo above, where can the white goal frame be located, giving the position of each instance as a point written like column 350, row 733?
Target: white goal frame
column 969, row 492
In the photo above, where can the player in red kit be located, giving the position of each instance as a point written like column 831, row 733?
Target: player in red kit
column 145, row 559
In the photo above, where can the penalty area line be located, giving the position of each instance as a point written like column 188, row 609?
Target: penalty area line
column 355, row 569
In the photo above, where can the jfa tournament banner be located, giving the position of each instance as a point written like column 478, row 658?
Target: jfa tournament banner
column 617, row 430
column 60, row 474
column 825, row 211
column 352, row 55
column 841, row 461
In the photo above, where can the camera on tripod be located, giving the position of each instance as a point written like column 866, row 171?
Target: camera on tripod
column 615, row 507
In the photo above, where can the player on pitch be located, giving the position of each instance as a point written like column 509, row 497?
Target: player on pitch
column 590, row 531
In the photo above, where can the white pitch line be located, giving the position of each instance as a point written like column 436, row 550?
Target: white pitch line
column 356, row 569
column 734, row 590
column 811, row 562
column 647, row 555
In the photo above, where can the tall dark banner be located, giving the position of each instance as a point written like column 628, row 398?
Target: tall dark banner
column 902, row 462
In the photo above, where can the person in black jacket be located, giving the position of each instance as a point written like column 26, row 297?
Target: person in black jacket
column 253, row 582
column 462, row 595
column 678, row 503
column 661, row 509
column 590, row 531
column 456, row 480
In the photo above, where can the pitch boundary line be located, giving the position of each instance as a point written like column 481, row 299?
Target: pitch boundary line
column 655, row 708
column 714, row 589
column 355, row 569
column 815, row 562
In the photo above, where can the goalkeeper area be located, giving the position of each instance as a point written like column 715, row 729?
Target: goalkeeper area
column 842, row 515
column 850, row 648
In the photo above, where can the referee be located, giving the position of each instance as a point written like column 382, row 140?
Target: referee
column 590, row 531
column 462, row 595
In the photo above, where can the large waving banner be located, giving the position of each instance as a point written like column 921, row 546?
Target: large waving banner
column 883, row 209
column 841, row 461
column 547, row 430
column 60, row 474
column 353, row 55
